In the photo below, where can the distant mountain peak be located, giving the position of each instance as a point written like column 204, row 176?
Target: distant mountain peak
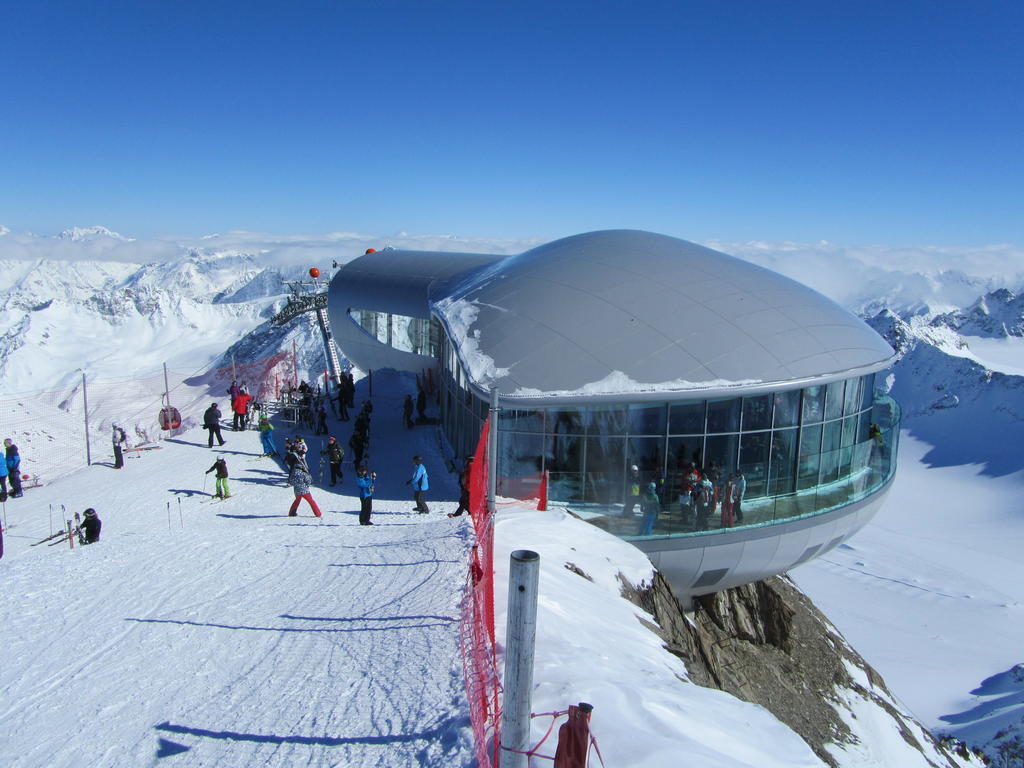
column 80, row 234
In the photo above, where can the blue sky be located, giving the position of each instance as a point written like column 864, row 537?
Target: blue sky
column 854, row 122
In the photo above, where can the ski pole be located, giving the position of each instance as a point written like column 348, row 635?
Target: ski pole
column 168, row 515
column 181, row 519
column 205, row 478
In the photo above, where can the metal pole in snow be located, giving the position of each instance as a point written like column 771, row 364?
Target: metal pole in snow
column 492, row 454
column 181, row 518
column 520, row 636
column 51, row 519
column 85, row 409
column 168, row 515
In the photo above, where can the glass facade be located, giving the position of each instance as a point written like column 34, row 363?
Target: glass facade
column 744, row 461
column 408, row 334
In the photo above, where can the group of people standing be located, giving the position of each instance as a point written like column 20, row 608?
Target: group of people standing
column 240, row 402
column 10, row 468
column 702, row 493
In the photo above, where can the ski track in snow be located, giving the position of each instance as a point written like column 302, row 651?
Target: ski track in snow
column 243, row 637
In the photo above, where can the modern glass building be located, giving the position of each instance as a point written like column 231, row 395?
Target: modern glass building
column 627, row 363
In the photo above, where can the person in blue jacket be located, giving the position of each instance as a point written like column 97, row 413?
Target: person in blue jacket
column 13, row 461
column 419, row 484
column 3, row 481
column 366, row 481
column 650, row 504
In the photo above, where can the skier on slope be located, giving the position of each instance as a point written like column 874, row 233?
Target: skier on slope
column 420, row 484
column 366, row 482
column 221, row 468
column 211, row 423
column 300, row 480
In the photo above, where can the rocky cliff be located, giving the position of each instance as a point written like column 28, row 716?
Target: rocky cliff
column 766, row 643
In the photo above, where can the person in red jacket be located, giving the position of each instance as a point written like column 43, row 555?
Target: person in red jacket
column 240, row 405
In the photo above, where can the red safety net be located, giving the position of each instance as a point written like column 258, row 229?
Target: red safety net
column 479, row 656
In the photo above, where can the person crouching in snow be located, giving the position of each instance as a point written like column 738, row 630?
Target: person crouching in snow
column 222, row 477
column 90, row 527
column 366, row 481
column 300, row 481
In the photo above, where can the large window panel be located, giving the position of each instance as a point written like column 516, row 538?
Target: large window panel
column 754, row 462
column 831, row 439
column 834, row 399
column 854, row 395
column 686, row 418
column 724, row 415
column 787, row 408
column 605, row 420
column 647, row 453
column 520, row 461
column 781, row 464
column 564, row 462
column 604, row 478
column 757, row 412
column 517, row 420
column 814, row 405
column 809, row 459
column 682, row 451
column 720, row 451
column 867, row 391
column 647, row 419
column 564, row 421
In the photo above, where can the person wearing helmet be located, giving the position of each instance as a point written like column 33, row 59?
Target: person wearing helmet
column 632, row 490
column 221, row 468
column 90, row 527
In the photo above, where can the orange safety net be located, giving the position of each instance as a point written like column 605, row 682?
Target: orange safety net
column 479, row 655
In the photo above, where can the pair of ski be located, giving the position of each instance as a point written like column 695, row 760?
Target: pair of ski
column 72, row 532
column 215, row 498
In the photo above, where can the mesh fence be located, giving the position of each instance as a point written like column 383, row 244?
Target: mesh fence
column 50, row 429
column 479, row 655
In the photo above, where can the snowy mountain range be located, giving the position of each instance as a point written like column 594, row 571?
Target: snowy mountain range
column 114, row 307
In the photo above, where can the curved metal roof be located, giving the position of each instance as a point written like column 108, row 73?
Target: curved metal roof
column 629, row 313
